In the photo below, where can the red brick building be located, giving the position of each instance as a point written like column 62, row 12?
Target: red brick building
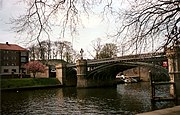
column 12, row 59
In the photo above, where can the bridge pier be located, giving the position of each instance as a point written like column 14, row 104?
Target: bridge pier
column 83, row 81
column 61, row 73
column 173, row 55
column 81, row 66
column 67, row 78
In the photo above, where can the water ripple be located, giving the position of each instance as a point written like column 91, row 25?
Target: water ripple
column 125, row 99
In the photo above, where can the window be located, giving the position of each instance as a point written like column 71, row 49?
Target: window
column 23, row 53
column 13, row 58
column 23, row 59
column 5, row 70
column 13, row 70
column 13, row 64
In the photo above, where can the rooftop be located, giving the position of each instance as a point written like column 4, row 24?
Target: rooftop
column 8, row 46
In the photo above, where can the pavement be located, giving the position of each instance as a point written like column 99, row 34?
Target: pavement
column 168, row 111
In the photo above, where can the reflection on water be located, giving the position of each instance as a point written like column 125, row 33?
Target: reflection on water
column 125, row 99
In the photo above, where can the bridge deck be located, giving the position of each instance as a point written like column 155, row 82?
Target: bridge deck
column 128, row 58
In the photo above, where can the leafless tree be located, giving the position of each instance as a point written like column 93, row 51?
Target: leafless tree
column 32, row 52
column 42, row 16
column 49, row 49
column 39, row 52
column 147, row 19
column 97, row 46
column 60, row 48
column 65, row 50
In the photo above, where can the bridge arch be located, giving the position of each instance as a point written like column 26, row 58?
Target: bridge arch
column 109, row 71
column 97, row 73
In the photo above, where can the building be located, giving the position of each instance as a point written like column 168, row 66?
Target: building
column 12, row 59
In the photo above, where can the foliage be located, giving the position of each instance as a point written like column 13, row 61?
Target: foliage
column 34, row 67
column 109, row 50
column 28, row 82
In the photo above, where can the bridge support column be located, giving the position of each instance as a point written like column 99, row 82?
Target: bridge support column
column 61, row 73
column 81, row 66
column 173, row 55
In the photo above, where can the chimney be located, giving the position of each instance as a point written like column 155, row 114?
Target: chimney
column 7, row 43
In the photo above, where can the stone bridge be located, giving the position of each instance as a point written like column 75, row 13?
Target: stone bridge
column 101, row 73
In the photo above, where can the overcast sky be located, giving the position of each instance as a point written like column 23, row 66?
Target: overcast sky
column 94, row 27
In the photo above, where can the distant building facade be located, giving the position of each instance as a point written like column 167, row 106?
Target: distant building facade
column 12, row 59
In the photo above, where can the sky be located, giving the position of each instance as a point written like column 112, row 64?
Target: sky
column 94, row 28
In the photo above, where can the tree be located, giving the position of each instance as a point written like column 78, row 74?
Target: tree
column 52, row 50
column 69, row 52
column 96, row 44
column 34, row 67
column 42, row 15
column 41, row 51
column 60, row 48
column 109, row 50
column 32, row 52
column 49, row 49
column 150, row 20
column 64, row 49
column 145, row 22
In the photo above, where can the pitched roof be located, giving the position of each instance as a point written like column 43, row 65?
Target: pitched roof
column 8, row 46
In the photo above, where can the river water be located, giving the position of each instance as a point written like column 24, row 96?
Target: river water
column 126, row 99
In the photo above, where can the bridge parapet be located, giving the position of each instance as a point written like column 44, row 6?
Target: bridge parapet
column 132, row 58
column 158, row 56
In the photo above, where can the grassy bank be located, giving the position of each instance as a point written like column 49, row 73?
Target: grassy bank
column 28, row 82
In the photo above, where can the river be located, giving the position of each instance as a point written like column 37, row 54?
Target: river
column 126, row 99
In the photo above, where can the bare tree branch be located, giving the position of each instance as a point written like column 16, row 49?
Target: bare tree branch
column 150, row 18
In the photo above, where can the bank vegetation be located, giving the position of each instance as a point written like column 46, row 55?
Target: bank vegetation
column 28, row 83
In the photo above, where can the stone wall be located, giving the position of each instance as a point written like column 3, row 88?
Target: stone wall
column 173, row 55
column 141, row 71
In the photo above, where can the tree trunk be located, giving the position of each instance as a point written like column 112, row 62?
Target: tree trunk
column 34, row 74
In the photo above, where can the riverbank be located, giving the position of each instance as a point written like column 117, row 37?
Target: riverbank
column 168, row 111
column 29, row 83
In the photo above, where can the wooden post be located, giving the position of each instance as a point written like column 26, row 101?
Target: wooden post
column 152, row 86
